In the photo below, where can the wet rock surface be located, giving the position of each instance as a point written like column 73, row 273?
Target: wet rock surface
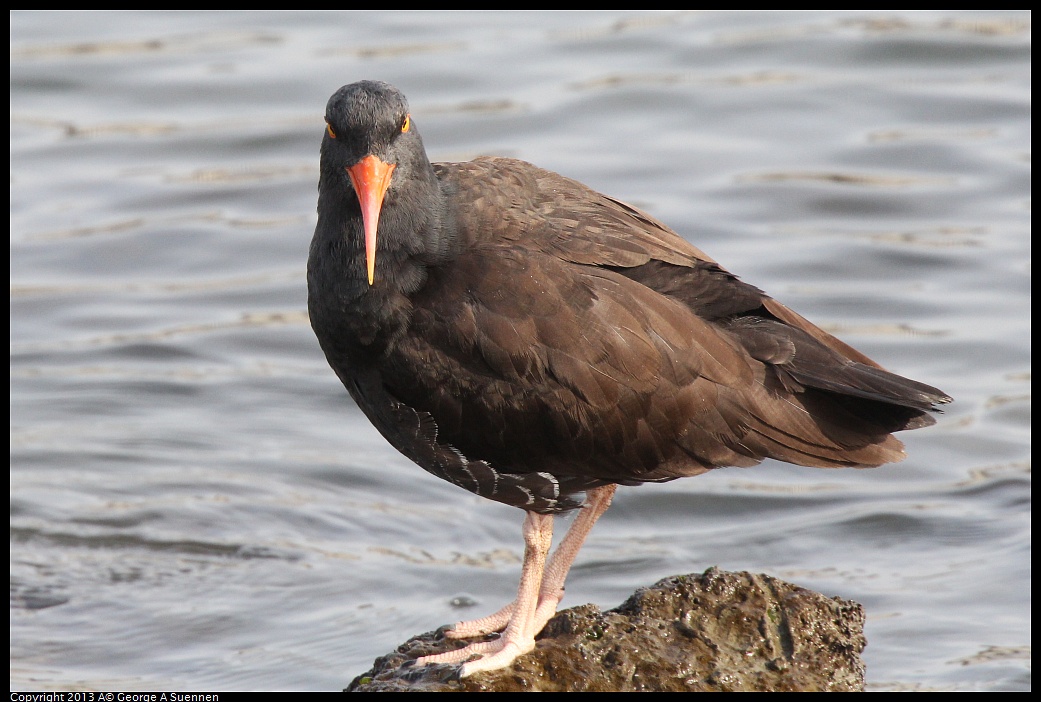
column 715, row 631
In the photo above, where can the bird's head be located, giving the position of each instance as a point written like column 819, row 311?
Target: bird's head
column 371, row 142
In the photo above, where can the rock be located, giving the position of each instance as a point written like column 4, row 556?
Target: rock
column 717, row 631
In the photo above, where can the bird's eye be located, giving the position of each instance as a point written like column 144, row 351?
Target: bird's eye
column 329, row 130
column 407, row 123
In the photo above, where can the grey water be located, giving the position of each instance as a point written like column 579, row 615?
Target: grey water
column 196, row 504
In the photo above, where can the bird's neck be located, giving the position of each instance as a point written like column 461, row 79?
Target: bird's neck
column 350, row 316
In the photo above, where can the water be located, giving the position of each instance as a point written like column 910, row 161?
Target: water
column 197, row 504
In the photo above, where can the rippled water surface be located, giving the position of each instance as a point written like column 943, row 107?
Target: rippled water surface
column 197, row 504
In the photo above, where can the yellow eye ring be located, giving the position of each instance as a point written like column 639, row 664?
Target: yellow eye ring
column 407, row 123
column 329, row 130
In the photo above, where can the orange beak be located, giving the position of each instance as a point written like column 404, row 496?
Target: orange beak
column 371, row 178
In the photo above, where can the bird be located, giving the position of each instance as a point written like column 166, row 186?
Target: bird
column 538, row 343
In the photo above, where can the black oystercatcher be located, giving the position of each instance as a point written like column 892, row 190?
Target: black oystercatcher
column 533, row 341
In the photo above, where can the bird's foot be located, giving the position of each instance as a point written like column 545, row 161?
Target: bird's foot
column 523, row 618
column 491, row 655
column 501, row 655
column 544, row 611
column 482, row 626
column 501, row 652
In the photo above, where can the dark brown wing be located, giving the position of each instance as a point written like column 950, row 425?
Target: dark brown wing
column 618, row 352
column 583, row 226
column 579, row 225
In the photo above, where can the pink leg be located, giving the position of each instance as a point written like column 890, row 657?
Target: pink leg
column 552, row 590
column 540, row 591
column 518, row 638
